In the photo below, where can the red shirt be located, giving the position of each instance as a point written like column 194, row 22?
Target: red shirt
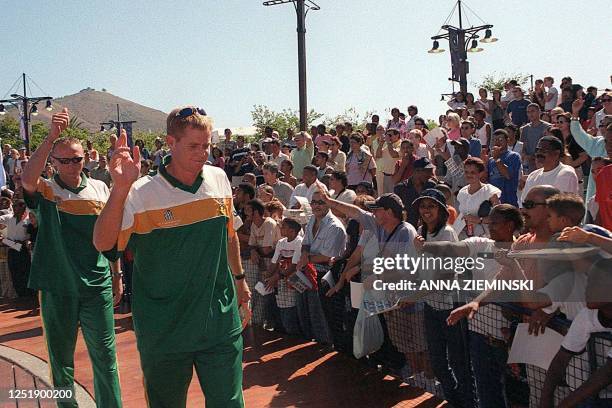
column 603, row 195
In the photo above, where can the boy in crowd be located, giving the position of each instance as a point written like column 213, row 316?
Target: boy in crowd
column 286, row 256
column 597, row 317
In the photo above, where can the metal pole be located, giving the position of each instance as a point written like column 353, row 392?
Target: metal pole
column 118, row 122
column 26, row 117
column 301, row 30
column 463, row 55
column 460, row 19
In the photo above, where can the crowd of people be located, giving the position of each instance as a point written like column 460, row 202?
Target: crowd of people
column 515, row 172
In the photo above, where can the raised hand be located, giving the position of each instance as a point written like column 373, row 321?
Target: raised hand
column 59, row 123
column 574, row 234
column 124, row 168
column 577, row 106
column 468, row 310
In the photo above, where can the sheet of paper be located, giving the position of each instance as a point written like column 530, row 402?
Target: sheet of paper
column 536, row 350
column 261, row 289
column 356, row 294
column 557, row 254
column 433, row 135
column 12, row 244
column 304, row 204
column 459, row 224
column 329, row 278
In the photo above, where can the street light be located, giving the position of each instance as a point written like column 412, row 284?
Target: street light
column 435, row 49
column 301, row 7
column 27, row 107
column 461, row 41
column 119, row 124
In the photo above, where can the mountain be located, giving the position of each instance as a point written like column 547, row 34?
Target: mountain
column 93, row 107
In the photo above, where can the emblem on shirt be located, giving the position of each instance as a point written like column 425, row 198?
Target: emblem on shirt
column 168, row 215
column 222, row 208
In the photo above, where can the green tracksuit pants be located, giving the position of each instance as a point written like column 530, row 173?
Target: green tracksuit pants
column 61, row 316
column 219, row 369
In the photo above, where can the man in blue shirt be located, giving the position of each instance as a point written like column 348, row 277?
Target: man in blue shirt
column 517, row 109
column 504, row 168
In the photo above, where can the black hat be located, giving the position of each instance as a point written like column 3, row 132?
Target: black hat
column 462, row 141
column 555, row 142
column 432, row 194
column 388, row 201
column 423, row 163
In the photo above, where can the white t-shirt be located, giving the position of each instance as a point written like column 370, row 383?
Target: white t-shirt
column 266, row 235
column 586, row 323
column 563, row 177
column 422, row 151
column 553, row 102
column 301, row 190
column 489, row 320
column 285, row 297
column 566, row 292
column 439, row 300
column 469, row 203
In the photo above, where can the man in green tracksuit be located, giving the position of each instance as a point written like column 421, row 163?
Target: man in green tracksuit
column 179, row 225
column 74, row 279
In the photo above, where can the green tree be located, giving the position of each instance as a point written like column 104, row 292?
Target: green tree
column 350, row 115
column 496, row 81
column 279, row 121
column 9, row 131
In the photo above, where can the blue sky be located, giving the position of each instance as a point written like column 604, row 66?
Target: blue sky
column 228, row 55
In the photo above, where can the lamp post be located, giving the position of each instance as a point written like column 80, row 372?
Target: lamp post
column 119, row 124
column 27, row 107
column 461, row 41
column 301, row 7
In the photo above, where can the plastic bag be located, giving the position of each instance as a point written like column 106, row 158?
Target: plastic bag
column 368, row 334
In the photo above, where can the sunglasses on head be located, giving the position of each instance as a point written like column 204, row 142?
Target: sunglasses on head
column 68, row 160
column 189, row 111
column 529, row 204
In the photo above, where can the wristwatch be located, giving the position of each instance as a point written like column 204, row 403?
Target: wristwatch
column 574, row 118
column 117, row 274
column 240, row 276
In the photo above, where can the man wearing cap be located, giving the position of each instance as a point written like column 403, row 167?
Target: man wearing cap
column 553, row 172
column 454, row 164
column 388, row 153
column 408, row 190
column 394, row 235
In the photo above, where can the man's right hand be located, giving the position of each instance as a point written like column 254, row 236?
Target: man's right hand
column 468, row 310
column 124, row 168
column 59, row 123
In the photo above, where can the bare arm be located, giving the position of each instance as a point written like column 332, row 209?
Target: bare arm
column 350, row 210
column 599, row 380
column 554, row 377
column 124, row 170
column 36, row 164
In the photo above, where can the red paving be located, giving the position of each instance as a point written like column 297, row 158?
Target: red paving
column 279, row 371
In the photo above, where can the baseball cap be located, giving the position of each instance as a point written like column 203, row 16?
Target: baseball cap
column 432, row 194
column 423, row 163
column 388, row 201
column 461, row 141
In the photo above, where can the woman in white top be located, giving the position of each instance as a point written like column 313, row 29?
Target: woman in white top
column 444, row 345
column 471, row 197
column 420, row 147
column 337, row 158
column 484, row 103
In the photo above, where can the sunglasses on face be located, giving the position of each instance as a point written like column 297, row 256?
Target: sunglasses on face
column 562, row 121
column 68, row 160
column 529, row 204
column 317, row 202
column 606, row 100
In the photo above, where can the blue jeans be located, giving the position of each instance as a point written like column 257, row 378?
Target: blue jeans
column 489, row 365
column 449, row 357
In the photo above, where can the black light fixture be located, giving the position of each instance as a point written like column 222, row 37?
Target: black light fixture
column 49, row 106
column 475, row 47
column 34, row 110
column 488, row 38
column 2, row 111
column 435, row 49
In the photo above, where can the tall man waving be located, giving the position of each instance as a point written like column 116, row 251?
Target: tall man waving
column 179, row 226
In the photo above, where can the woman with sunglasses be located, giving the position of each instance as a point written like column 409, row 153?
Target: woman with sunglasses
column 579, row 158
column 445, row 344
